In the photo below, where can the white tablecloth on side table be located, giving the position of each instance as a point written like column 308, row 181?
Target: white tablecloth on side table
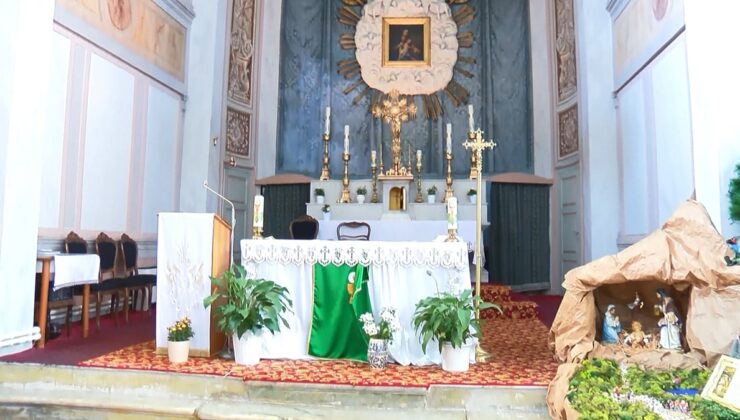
column 398, row 279
column 75, row 269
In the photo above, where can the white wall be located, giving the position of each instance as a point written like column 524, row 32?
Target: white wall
column 26, row 43
column 541, row 28
column 268, row 94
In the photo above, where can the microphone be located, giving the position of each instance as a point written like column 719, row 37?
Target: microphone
column 233, row 220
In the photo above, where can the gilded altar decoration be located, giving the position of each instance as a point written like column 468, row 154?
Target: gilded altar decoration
column 240, row 52
column 565, row 48
column 237, row 132
column 568, row 131
column 394, row 110
column 411, row 46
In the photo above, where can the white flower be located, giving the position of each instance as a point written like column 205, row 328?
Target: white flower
column 367, row 317
column 370, row 329
column 388, row 315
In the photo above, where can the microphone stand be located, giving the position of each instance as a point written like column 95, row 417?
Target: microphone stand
column 226, row 352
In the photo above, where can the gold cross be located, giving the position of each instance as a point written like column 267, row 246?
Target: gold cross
column 477, row 146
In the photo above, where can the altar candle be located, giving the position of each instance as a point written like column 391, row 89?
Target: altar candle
column 259, row 209
column 418, row 155
column 452, row 213
column 326, row 122
column 448, row 146
column 346, row 139
column 471, row 122
column 372, row 158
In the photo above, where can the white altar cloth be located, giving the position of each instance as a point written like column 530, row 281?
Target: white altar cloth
column 398, row 230
column 398, row 279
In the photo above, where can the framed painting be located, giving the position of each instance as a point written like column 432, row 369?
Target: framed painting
column 406, row 42
column 723, row 385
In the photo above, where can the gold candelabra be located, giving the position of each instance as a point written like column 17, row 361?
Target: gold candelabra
column 419, row 196
column 257, row 232
column 448, row 178
column 473, row 158
column 374, row 172
column 345, row 180
column 476, row 147
column 395, row 110
column 325, row 162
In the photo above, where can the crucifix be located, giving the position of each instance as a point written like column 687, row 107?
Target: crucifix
column 394, row 110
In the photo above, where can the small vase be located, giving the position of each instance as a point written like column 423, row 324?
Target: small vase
column 177, row 351
column 377, row 353
column 320, row 199
column 472, row 198
column 327, row 216
column 360, row 198
column 431, row 198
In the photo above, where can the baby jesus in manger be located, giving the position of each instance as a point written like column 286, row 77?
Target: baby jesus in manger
column 637, row 338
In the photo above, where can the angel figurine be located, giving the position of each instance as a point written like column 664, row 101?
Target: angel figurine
column 611, row 326
column 670, row 323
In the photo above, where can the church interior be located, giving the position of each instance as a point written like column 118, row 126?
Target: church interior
column 276, row 209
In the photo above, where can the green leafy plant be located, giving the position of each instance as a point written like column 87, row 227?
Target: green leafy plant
column 472, row 191
column 361, row 190
column 734, row 195
column 432, row 190
column 248, row 304
column 326, row 208
column 447, row 317
column 181, row 330
column 318, row 192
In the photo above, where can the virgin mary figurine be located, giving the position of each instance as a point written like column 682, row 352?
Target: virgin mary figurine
column 611, row 326
column 670, row 323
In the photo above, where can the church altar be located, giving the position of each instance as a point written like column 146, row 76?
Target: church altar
column 398, row 277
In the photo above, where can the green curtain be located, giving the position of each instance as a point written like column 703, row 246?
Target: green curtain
column 518, row 239
column 336, row 330
column 283, row 203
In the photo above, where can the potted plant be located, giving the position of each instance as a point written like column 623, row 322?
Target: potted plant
column 248, row 307
column 319, row 193
column 178, row 340
column 734, row 195
column 326, row 209
column 431, row 194
column 361, row 192
column 449, row 318
column 472, row 195
column 380, row 335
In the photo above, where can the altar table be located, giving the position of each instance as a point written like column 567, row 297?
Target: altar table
column 400, row 274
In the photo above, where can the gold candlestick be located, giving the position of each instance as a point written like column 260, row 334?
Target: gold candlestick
column 257, row 232
column 476, row 146
column 374, row 172
column 325, row 162
column 419, row 196
column 473, row 158
column 345, row 180
column 448, row 179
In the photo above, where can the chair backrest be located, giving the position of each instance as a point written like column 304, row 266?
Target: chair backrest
column 353, row 231
column 130, row 254
column 106, row 249
column 304, row 227
column 74, row 244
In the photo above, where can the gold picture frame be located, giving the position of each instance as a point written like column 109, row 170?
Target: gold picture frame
column 407, row 42
column 723, row 386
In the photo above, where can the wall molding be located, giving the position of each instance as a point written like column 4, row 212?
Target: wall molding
column 616, row 7
column 181, row 11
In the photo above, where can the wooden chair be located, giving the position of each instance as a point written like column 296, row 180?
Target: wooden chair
column 134, row 280
column 304, row 227
column 353, row 231
column 108, row 283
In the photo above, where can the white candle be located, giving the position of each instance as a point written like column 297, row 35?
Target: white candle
column 326, row 122
column 346, row 139
column 418, row 155
column 448, row 146
column 372, row 157
column 259, row 209
column 471, row 121
column 452, row 213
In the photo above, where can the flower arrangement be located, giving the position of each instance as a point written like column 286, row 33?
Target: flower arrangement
column 319, row 192
column 432, row 190
column 362, row 190
column 326, row 208
column 383, row 330
column 181, row 330
column 472, row 192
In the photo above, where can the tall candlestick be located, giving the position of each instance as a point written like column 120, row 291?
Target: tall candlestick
column 448, row 146
column 471, row 121
column 326, row 122
column 346, row 139
column 259, row 208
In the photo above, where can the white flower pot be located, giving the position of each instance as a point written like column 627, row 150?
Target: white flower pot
column 431, row 198
column 177, row 351
column 320, row 199
column 327, row 216
column 472, row 198
column 248, row 349
column 360, row 198
column 455, row 359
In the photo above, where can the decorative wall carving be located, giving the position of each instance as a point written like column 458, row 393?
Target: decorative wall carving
column 240, row 54
column 565, row 48
column 408, row 81
column 238, row 132
column 568, row 131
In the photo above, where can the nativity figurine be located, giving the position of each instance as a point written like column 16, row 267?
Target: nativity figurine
column 670, row 323
column 637, row 338
column 611, row 326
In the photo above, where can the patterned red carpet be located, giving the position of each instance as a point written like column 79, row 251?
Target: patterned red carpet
column 517, row 341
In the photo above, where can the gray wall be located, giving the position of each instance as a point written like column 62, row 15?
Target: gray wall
column 500, row 93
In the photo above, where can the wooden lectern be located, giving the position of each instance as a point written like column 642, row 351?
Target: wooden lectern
column 191, row 248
